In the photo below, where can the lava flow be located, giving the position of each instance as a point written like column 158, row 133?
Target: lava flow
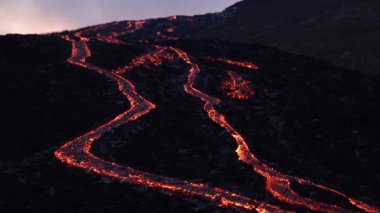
column 237, row 87
column 77, row 151
column 155, row 59
column 244, row 64
column 277, row 184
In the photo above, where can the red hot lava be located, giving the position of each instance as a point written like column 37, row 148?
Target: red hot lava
column 237, row 87
column 277, row 183
column 154, row 58
column 139, row 24
column 244, row 64
column 170, row 30
column 77, row 151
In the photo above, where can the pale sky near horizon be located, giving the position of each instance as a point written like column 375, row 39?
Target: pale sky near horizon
column 41, row 16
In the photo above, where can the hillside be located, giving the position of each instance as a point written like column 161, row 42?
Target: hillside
column 135, row 116
column 345, row 33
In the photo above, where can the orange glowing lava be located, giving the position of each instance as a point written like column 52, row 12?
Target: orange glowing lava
column 172, row 18
column 170, row 30
column 237, row 87
column 155, row 59
column 109, row 39
column 77, row 151
column 139, row 24
column 277, row 184
column 244, row 64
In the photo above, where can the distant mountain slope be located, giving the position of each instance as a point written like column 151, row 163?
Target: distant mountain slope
column 346, row 33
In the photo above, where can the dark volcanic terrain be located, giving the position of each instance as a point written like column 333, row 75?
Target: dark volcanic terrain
column 134, row 93
column 343, row 32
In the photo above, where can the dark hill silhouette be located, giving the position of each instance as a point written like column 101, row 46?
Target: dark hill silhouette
column 343, row 32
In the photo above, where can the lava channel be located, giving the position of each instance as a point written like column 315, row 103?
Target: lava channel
column 277, row 184
column 77, row 153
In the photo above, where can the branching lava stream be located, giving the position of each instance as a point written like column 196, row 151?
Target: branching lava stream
column 237, row 87
column 77, row 151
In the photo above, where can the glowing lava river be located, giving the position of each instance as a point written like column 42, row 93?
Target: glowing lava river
column 77, row 153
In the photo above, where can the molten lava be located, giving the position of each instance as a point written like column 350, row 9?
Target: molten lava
column 155, row 59
column 77, row 151
column 170, row 30
column 237, row 87
column 244, row 64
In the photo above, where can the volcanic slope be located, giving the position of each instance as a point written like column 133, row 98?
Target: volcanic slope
column 185, row 134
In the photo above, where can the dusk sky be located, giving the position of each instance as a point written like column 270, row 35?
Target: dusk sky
column 39, row 16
